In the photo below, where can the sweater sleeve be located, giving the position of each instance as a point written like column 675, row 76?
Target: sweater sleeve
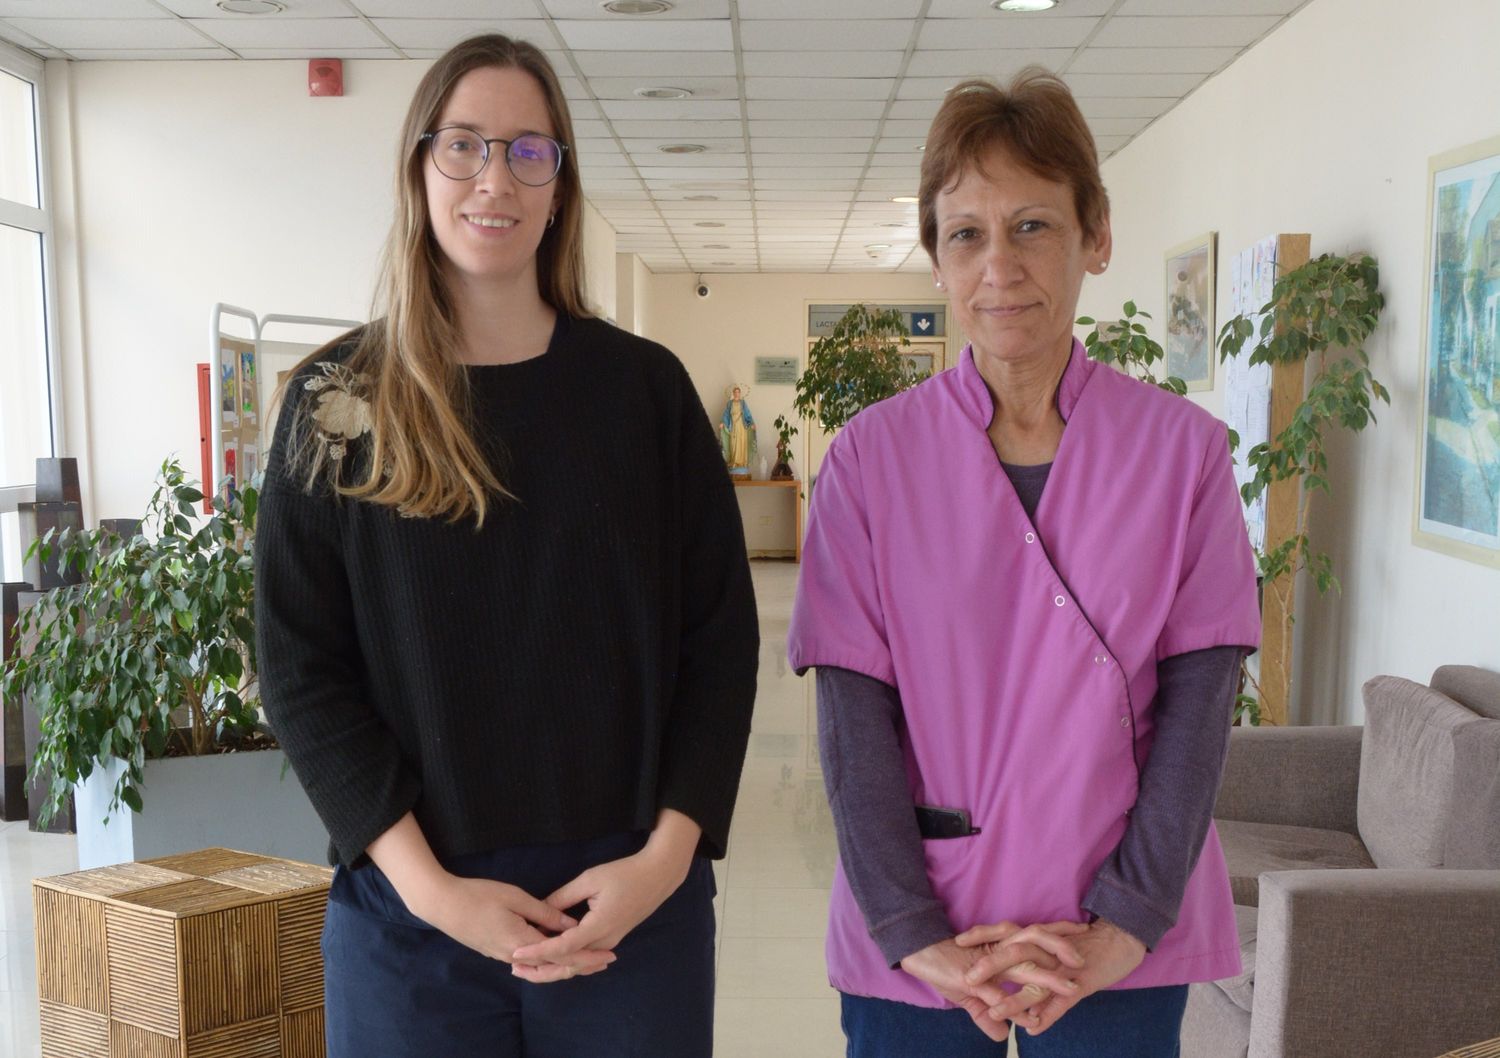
column 1140, row 886
column 859, row 743
column 311, row 670
column 708, row 726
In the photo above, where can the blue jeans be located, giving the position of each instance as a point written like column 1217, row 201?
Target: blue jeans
column 397, row 988
column 1128, row 1023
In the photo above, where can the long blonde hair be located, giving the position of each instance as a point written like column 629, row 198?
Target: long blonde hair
column 423, row 458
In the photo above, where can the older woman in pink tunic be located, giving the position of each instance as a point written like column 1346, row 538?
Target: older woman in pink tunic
column 1027, row 587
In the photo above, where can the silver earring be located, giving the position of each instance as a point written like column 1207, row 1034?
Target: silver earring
column 550, row 218
column 938, row 283
column 1103, row 265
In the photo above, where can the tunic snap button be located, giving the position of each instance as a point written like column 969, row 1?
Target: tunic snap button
column 1059, row 600
column 1100, row 659
column 1031, row 538
column 1124, row 721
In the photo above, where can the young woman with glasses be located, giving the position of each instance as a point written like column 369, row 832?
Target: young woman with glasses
column 514, row 678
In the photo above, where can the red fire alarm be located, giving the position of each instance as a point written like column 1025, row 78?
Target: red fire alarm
column 325, row 77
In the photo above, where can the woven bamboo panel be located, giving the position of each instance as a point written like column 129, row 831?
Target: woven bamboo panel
column 299, row 929
column 211, row 954
column 302, row 1034
column 70, row 951
column 76, row 1033
column 256, row 1039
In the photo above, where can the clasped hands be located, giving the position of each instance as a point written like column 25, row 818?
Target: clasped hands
column 506, row 923
column 1056, row 964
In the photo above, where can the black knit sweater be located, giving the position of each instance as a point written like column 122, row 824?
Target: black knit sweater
column 584, row 660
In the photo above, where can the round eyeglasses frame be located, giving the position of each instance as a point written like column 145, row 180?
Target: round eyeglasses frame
column 430, row 138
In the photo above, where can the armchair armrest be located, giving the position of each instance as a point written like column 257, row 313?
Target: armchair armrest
column 1375, row 962
column 1295, row 776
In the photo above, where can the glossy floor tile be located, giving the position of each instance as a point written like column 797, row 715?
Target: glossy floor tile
column 774, row 998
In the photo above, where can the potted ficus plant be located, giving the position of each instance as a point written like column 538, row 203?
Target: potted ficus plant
column 856, row 364
column 143, row 679
column 785, row 431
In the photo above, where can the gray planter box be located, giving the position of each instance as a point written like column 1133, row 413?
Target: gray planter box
column 232, row 800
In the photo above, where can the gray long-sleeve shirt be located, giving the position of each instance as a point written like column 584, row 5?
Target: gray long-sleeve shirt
column 1139, row 887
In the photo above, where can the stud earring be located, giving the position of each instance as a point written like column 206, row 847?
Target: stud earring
column 1103, row 265
column 938, row 283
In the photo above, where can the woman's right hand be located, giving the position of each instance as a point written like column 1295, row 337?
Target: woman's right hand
column 495, row 919
column 943, row 966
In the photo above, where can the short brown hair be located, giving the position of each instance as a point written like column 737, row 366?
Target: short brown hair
column 1036, row 120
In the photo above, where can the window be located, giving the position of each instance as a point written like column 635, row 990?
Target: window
column 27, row 400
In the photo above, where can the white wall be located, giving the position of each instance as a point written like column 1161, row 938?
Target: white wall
column 746, row 316
column 598, row 262
column 182, row 184
column 1327, row 127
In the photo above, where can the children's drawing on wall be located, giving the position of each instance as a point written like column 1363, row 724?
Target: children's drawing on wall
column 229, row 402
column 1190, row 312
column 249, row 386
column 1459, row 493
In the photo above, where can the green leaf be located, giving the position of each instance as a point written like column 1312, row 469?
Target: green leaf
column 132, row 798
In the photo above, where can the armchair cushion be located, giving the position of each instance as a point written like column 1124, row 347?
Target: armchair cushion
column 1406, row 771
column 1471, row 687
column 1250, row 849
column 1473, row 835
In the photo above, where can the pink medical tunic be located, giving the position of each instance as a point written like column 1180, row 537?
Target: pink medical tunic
column 1025, row 651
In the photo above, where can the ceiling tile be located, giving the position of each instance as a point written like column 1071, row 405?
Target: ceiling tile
column 823, row 63
column 911, row 127
column 310, row 53
column 999, row 63
column 1209, row 7
column 209, row 9
column 701, row 87
column 1133, row 84
column 79, row 9
column 1124, row 106
column 964, row 34
column 670, row 109
column 793, row 9
column 681, row 9
column 799, row 145
column 620, row 35
column 1102, row 127
column 853, row 34
column 1111, row 143
column 428, row 9
column 289, row 33
column 915, row 109
column 1152, row 60
column 813, row 128
column 656, row 65
column 1183, row 32
column 110, row 33
column 649, row 144
column 814, row 109
column 818, row 87
column 676, row 131
column 807, row 160
column 444, row 33
column 703, row 172
column 148, row 54
column 981, row 9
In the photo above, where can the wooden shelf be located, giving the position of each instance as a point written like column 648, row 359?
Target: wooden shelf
column 796, row 486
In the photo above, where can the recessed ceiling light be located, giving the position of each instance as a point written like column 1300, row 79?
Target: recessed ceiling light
column 1023, row 5
column 921, row 147
column 636, row 7
column 701, row 198
column 664, row 92
column 682, row 148
column 904, row 198
column 878, row 246
column 895, row 224
column 722, row 264
column 708, row 224
column 252, row 7
column 716, row 246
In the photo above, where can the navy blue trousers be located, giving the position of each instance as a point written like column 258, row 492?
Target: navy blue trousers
column 1126, row 1023
column 397, row 988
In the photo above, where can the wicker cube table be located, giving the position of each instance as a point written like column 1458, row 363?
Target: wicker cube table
column 209, row 954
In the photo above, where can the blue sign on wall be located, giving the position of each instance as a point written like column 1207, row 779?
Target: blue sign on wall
column 923, row 324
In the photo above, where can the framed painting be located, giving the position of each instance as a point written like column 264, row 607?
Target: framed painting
column 1458, row 455
column 1190, row 311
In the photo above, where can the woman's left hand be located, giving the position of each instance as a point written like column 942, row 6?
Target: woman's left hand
column 620, row 894
column 1109, row 955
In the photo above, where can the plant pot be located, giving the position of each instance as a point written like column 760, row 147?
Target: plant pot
column 234, row 800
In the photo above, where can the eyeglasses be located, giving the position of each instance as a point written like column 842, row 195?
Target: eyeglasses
column 462, row 154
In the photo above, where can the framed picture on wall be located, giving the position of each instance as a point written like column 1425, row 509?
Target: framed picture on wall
column 1458, row 455
column 1190, row 311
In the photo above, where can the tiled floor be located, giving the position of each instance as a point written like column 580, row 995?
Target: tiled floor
column 773, row 998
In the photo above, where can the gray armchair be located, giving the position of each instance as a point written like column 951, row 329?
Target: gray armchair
column 1365, row 863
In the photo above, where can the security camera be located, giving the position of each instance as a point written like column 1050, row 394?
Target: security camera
column 702, row 290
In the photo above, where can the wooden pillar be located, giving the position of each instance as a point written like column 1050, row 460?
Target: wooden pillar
column 1288, row 387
